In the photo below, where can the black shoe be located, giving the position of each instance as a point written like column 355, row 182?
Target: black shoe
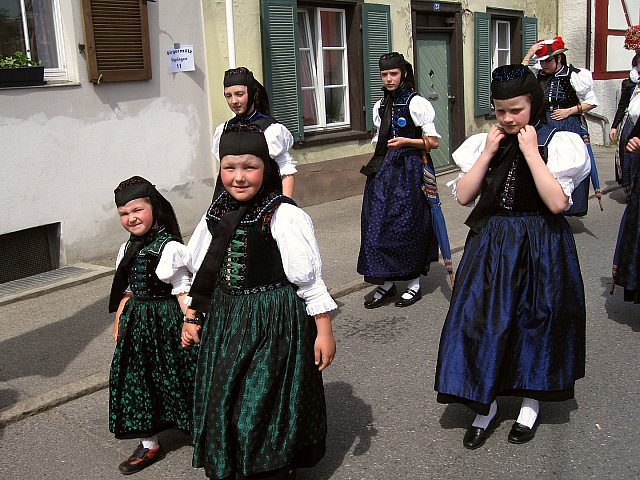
column 476, row 436
column 386, row 295
column 520, row 433
column 415, row 296
column 141, row 458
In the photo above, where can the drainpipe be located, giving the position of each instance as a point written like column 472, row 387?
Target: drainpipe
column 231, row 37
column 587, row 60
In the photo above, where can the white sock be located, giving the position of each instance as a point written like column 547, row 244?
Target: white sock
column 482, row 421
column 386, row 287
column 528, row 412
column 151, row 442
column 412, row 285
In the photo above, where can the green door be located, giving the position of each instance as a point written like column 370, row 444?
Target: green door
column 434, row 83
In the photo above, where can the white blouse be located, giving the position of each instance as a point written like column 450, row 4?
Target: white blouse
column 582, row 83
column 279, row 141
column 292, row 230
column 172, row 267
column 422, row 114
column 567, row 159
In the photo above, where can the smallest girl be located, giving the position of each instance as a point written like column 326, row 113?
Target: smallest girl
column 150, row 384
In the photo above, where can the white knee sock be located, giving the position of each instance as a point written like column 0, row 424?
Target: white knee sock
column 528, row 412
column 482, row 421
column 412, row 285
column 151, row 442
column 386, row 287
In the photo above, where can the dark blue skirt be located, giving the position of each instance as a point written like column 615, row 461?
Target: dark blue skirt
column 627, row 255
column 628, row 161
column 516, row 322
column 580, row 195
column 397, row 237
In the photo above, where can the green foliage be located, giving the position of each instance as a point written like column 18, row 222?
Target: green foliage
column 18, row 60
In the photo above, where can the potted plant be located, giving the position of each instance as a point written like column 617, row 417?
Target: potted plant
column 18, row 70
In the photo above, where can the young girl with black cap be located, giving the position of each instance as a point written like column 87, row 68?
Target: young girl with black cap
column 259, row 408
column 248, row 100
column 151, row 379
column 516, row 322
column 397, row 237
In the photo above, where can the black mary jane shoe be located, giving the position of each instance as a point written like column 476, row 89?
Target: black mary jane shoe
column 386, row 295
column 404, row 302
column 520, row 433
column 476, row 436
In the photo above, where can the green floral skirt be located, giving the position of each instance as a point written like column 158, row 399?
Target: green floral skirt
column 151, row 380
column 259, row 401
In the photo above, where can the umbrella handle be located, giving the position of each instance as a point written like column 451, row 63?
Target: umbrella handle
column 427, row 149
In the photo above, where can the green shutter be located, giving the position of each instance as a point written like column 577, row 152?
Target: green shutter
column 279, row 19
column 529, row 34
column 482, row 27
column 376, row 40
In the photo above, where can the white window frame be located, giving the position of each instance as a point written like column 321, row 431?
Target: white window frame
column 319, row 87
column 495, row 41
column 51, row 74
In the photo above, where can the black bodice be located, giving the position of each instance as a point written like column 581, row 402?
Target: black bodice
column 401, row 122
column 143, row 281
column 557, row 88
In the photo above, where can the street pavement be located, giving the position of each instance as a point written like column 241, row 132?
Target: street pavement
column 384, row 423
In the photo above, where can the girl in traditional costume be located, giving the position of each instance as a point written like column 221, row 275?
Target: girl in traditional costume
column 516, row 322
column 248, row 100
column 259, row 408
column 568, row 93
column 397, row 235
column 151, row 379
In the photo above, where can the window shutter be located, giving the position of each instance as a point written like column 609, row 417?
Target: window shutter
column 376, row 39
column 482, row 27
column 117, row 40
column 529, row 34
column 280, row 62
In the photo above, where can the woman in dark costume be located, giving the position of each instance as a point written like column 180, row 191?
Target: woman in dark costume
column 568, row 93
column 397, row 236
column 516, row 323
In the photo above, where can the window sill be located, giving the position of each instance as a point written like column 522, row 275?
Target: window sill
column 49, row 84
column 325, row 138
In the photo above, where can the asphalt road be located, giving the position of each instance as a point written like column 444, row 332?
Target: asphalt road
column 384, row 422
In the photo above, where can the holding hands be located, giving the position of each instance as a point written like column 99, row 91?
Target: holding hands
column 190, row 331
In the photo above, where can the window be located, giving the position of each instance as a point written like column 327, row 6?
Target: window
column 501, row 37
column 324, row 77
column 612, row 18
column 34, row 26
column 313, row 88
column 501, row 41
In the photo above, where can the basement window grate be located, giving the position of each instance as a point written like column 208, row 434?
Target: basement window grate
column 29, row 252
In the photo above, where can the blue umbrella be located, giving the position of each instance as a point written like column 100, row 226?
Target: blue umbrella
column 430, row 189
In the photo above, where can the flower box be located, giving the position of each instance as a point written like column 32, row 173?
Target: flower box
column 22, row 77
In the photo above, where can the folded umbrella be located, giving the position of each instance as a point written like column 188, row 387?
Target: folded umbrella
column 430, row 189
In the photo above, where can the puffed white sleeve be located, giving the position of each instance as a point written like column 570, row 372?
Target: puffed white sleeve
column 568, row 160
column 215, row 142
column 172, row 267
column 197, row 249
column 376, row 120
column 582, row 83
column 292, row 230
column 465, row 157
column 280, row 141
column 423, row 115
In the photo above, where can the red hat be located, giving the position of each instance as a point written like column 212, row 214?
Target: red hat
column 632, row 38
column 551, row 48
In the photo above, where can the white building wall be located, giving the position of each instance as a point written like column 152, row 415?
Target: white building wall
column 65, row 148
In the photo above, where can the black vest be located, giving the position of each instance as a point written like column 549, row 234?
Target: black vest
column 143, row 281
column 557, row 88
column 252, row 261
column 519, row 193
column 401, row 122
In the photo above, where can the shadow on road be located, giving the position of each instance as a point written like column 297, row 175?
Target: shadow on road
column 350, row 421
column 624, row 313
column 47, row 351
